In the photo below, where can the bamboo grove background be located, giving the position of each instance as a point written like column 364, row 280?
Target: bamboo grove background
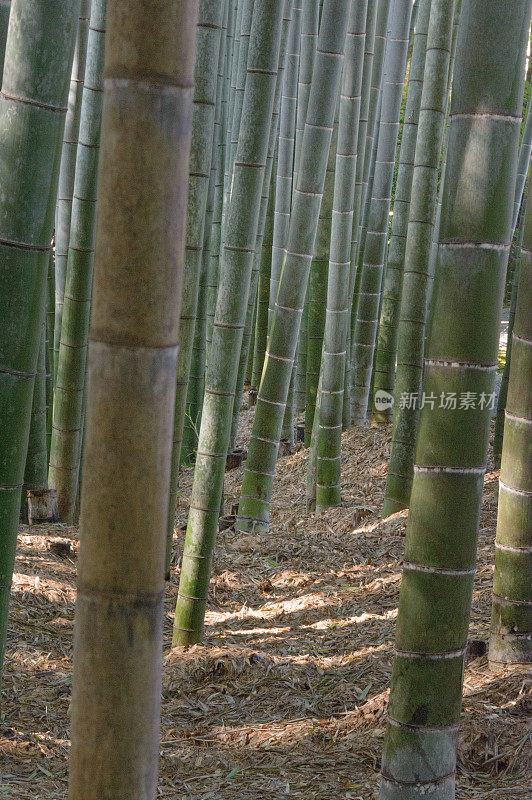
column 319, row 207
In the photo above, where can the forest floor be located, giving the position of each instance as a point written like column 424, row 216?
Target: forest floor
column 287, row 697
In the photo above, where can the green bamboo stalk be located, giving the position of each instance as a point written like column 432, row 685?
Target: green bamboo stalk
column 372, row 130
column 511, row 622
column 523, row 164
column 205, row 99
column 140, row 239
column 39, row 52
column 369, row 53
column 36, row 469
column 69, row 388
column 329, row 436
column 310, row 16
column 268, row 172
column 391, row 294
column 68, row 169
column 316, row 300
column 241, row 72
column 5, row 8
column 50, row 318
column 262, row 454
column 412, row 316
column 263, row 291
column 498, row 434
column 287, row 133
column 235, row 276
column 374, row 253
column 219, row 156
column 440, row 548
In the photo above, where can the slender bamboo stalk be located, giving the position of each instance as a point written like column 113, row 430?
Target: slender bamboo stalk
column 50, row 318
column 36, row 469
column 146, row 131
column 69, row 389
column 262, row 454
column 5, row 7
column 498, row 434
column 329, row 437
column 369, row 53
column 310, row 18
column 391, row 295
column 511, row 622
column 316, row 301
column 372, row 130
column 523, row 164
column 263, row 291
column 220, row 157
column 208, row 35
column 68, row 169
column 419, row 751
column 413, row 311
column 290, row 114
column 39, row 52
column 374, row 253
column 231, row 306
column 272, row 150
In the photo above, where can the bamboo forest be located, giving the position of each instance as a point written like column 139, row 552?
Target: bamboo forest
column 265, row 400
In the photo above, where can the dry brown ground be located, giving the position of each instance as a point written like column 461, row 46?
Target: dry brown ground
column 288, row 696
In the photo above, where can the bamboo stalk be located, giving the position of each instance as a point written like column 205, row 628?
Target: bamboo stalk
column 67, row 170
column 231, row 306
column 146, row 131
column 511, row 622
column 253, row 510
column 69, row 388
column 420, row 745
column 39, row 52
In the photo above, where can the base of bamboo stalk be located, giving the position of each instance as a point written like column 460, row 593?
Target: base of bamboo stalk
column 252, row 397
column 286, row 448
column 300, row 433
column 42, row 506
column 235, row 459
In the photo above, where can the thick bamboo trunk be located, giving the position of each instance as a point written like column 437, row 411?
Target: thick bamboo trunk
column 235, row 275
column 69, row 388
column 419, row 750
column 273, row 392
column 39, row 52
column 511, row 623
column 140, row 238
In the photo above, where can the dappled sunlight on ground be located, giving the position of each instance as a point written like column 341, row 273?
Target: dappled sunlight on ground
column 287, row 697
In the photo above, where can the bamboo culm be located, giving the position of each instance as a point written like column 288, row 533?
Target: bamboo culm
column 413, row 310
column 441, row 537
column 273, row 391
column 511, row 622
column 144, row 167
column 235, row 276
column 39, row 53
column 69, row 388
